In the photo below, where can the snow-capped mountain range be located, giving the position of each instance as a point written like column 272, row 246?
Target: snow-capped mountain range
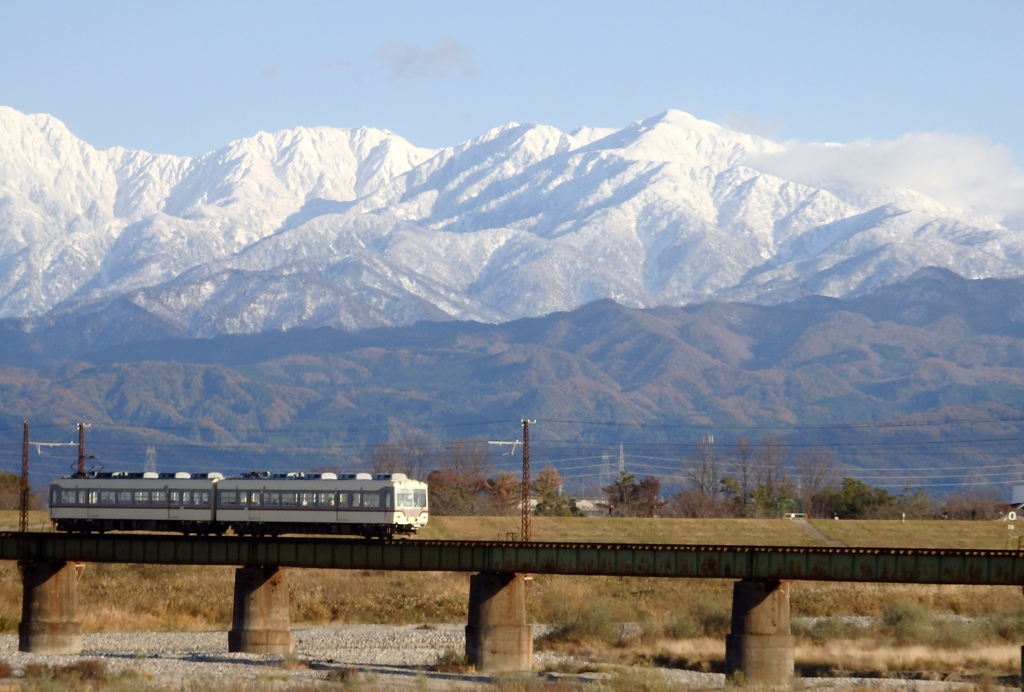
column 360, row 228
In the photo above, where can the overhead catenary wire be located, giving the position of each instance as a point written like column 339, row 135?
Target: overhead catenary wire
column 576, row 458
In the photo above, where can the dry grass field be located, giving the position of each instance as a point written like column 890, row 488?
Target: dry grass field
column 971, row 632
column 623, row 530
column 981, row 535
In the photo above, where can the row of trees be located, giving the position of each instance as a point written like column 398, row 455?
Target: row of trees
column 761, row 485
column 460, row 484
column 758, row 484
column 751, row 479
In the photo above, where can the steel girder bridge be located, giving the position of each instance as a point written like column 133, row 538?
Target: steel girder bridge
column 760, row 644
column 892, row 565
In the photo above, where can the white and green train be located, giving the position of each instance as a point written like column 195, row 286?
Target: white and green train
column 256, row 504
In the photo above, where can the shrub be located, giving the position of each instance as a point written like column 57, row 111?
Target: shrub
column 955, row 634
column 292, row 661
column 640, row 681
column 1009, row 626
column 906, row 623
column 451, row 661
column 826, row 629
column 342, row 675
column 85, row 673
column 713, row 622
column 683, row 627
column 594, row 626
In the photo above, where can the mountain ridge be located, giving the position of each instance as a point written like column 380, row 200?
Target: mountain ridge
column 358, row 229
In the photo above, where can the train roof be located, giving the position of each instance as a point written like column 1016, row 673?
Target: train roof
column 250, row 475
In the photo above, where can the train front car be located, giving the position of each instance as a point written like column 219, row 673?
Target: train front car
column 122, row 501
column 359, row 504
column 411, row 511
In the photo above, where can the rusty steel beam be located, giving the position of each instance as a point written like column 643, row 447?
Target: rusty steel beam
column 894, row 565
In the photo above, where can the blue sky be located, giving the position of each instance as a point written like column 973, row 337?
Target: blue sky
column 186, row 77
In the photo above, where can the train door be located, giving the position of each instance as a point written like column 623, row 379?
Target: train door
column 92, row 507
column 344, row 514
column 255, row 505
column 177, row 503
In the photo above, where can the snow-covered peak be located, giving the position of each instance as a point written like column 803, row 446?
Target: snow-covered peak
column 678, row 137
column 359, row 227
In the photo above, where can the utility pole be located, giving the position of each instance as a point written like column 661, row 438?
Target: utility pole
column 526, row 479
column 81, row 449
column 23, row 506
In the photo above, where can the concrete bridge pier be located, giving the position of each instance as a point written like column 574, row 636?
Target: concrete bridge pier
column 760, row 645
column 497, row 636
column 49, row 606
column 259, row 621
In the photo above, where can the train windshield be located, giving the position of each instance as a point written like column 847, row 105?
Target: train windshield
column 411, row 498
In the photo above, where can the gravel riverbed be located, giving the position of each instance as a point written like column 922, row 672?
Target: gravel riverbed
column 386, row 657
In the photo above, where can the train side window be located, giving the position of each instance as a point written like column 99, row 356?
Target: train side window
column 243, row 497
column 124, row 497
column 387, row 499
column 55, row 496
column 421, row 497
column 308, row 499
column 186, row 497
column 343, row 499
column 94, row 497
column 371, row 500
column 83, row 497
column 256, row 498
column 203, row 499
column 272, row 499
column 108, row 497
column 159, row 497
column 326, row 499
column 142, row 497
column 357, row 499
column 67, row 497
column 289, row 499
column 227, row 497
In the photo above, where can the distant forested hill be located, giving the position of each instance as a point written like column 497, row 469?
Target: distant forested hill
column 926, row 373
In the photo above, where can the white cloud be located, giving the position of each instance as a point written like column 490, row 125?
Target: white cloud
column 406, row 61
column 959, row 171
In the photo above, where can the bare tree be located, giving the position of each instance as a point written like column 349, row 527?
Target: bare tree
column 981, row 504
column 705, row 477
column 744, row 484
column 458, row 486
column 415, row 456
column 818, row 481
column 771, row 484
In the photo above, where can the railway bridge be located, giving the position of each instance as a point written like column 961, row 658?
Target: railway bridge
column 760, row 643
